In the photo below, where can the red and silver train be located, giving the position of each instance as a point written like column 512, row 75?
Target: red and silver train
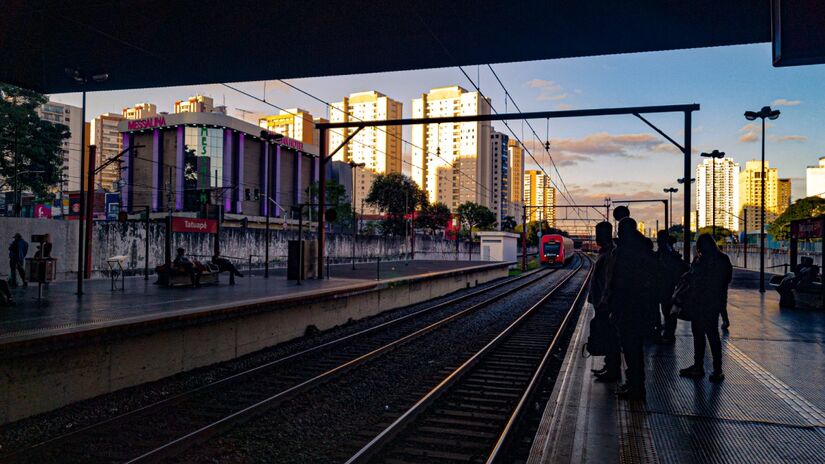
column 555, row 250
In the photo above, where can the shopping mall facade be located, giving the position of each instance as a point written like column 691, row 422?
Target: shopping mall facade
column 182, row 161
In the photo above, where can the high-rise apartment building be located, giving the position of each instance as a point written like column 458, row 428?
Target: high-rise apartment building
column 540, row 195
column 501, row 177
column 784, row 196
column 379, row 148
column 68, row 115
column 452, row 162
column 516, row 157
column 815, row 179
column 727, row 192
column 294, row 123
column 105, row 136
column 195, row 104
column 750, row 193
column 140, row 111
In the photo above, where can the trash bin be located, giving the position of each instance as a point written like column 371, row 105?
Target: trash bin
column 307, row 264
column 41, row 270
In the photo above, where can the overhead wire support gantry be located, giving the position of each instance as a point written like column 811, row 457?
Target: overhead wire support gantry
column 687, row 110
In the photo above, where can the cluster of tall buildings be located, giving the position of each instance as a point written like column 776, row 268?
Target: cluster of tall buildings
column 453, row 163
column 738, row 194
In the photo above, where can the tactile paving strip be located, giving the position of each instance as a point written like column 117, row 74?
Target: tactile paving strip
column 681, row 439
column 635, row 434
column 739, row 398
column 803, row 407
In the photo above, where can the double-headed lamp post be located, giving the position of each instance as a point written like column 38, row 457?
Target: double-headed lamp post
column 765, row 113
column 714, row 155
column 83, row 78
column 353, row 165
column 671, row 191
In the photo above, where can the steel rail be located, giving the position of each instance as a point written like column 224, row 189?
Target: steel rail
column 505, row 435
column 379, row 441
column 179, row 445
column 183, row 396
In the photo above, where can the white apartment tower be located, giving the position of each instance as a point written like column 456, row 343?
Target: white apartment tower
column 541, row 196
column 727, row 192
column 815, row 179
column 379, row 148
column 501, row 178
column 68, row 115
column 108, row 141
column 452, row 161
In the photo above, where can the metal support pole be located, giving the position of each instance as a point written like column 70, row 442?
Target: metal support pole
column 378, row 269
column 686, row 210
column 667, row 213
column 89, row 213
column 266, row 246
column 146, row 251
column 762, row 220
column 524, row 239
column 322, row 198
column 300, row 244
column 354, row 217
column 80, row 222
column 745, row 230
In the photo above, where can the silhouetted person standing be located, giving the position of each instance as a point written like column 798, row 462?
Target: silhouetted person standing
column 710, row 274
column 18, row 249
column 671, row 268
column 611, row 372
column 631, row 281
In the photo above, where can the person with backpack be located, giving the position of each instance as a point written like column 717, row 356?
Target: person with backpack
column 630, row 289
column 671, row 268
column 706, row 295
column 18, row 249
column 603, row 337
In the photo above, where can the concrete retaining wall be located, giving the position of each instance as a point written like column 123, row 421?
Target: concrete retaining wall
column 45, row 375
column 112, row 238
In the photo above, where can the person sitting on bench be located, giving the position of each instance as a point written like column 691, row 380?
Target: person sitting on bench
column 185, row 265
column 224, row 265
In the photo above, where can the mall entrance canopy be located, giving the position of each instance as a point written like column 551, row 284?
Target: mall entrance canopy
column 685, row 148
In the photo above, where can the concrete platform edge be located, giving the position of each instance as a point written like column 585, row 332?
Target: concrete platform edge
column 43, row 374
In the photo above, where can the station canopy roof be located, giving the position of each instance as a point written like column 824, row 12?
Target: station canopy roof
column 153, row 43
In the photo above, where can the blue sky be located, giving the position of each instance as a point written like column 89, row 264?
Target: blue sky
column 601, row 156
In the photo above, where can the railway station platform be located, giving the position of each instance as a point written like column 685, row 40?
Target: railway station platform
column 770, row 408
column 65, row 349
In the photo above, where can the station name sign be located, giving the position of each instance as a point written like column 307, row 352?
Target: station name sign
column 204, row 226
column 147, row 123
column 292, row 143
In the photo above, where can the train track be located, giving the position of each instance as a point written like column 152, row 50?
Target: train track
column 170, row 426
column 473, row 414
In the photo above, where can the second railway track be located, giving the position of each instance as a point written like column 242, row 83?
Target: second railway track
column 472, row 414
column 168, row 427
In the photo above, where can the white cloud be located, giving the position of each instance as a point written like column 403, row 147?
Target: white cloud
column 548, row 90
column 785, row 102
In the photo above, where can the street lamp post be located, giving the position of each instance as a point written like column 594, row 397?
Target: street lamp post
column 353, row 165
column 765, row 112
column 714, row 155
column 83, row 78
column 671, row 191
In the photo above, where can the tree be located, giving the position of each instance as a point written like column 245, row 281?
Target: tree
column 508, row 223
column 336, row 195
column 28, row 143
column 722, row 233
column 476, row 216
column 395, row 195
column 434, row 217
column 803, row 208
column 533, row 228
